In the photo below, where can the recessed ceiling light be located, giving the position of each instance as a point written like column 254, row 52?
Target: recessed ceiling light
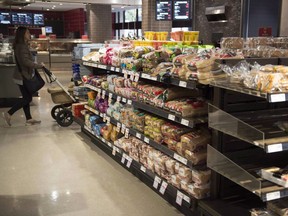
column 54, row 5
column 60, row 4
column 20, row 8
column 113, row 9
column 47, row 9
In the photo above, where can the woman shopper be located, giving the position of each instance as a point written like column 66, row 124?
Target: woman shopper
column 25, row 68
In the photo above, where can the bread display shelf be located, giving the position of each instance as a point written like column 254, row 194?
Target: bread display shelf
column 171, row 80
column 270, row 97
column 226, row 167
column 256, row 127
column 189, row 122
column 164, row 149
column 179, row 199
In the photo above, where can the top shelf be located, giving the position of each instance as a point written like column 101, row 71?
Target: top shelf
column 173, row 81
column 270, row 97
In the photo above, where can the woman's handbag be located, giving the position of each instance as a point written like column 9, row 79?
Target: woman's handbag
column 35, row 83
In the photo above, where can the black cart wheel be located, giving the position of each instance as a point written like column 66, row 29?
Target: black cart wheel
column 64, row 118
column 55, row 110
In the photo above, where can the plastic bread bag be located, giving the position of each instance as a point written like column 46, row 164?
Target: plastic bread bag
column 173, row 131
column 125, row 52
column 110, row 78
column 196, row 139
column 201, row 176
column 141, row 50
column 198, row 193
column 197, row 157
column 185, row 173
column 170, row 166
column 261, row 212
column 176, row 181
column 161, row 68
column 232, row 43
column 158, row 137
column 172, row 144
column 280, row 206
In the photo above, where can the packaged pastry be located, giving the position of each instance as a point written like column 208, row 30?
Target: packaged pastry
column 197, row 157
column 170, row 166
column 170, row 142
column 280, row 206
column 232, row 43
column 185, row 174
column 196, row 139
column 173, row 131
column 197, row 192
column 201, row 176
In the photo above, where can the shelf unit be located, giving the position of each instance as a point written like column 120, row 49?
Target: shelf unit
column 177, row 198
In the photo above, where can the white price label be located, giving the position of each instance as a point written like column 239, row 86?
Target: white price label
column 132, row 77
column 278, row 97
column 273, row 196
column 124, row 100
column 125, row 74
column 123, row 159
column 179, row 198
column 146, row 76
column 112, row 69
column 136, row 79
column 114, row 151
column 118, row 127
column 103, row 140
column 187, row 199
column 146, row 140
column 129, row 102
column 183, row 84
column 103, row 94
column 109, row 144
column 104, row 117
column 101, row 115
column 108, row 119
column 171, row 117
column 138, row 135
column 129, row 161
column 117, row 69
column 153, row 78
column 157, row 181
column 143, row 169
column 123, row 127
column 118, row 98
column 109, row 101
column 185, row 122
column 127, row 133
column 180, row 158
column 275, row 148
column 163, row 187
column 110, row 95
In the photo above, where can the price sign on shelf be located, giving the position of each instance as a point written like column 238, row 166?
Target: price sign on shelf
column 273, row 196
column 124, row 100
column 129, row 102
column 123, row 158
column 143, row 169
column 171, row 117
column 157, row 181
column 118, row 98
column 132, row 77
column 125, row 72
column 104, row 117
column 127, row 133
column 129, row 161
column 110, row 96
column 179, row 198
column 118, row 127
column 146, row 140
column 277, row 97
column 138, row 135
column 136, row 78
column 123, row 127
column 183, row 84
column 185, row 122
column 103, row 94
column 274, row 148
column 163, row 187
column 108, row 119
column 180, row 158
column 114, row 151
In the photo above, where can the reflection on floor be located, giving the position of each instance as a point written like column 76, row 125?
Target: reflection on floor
column 47, row 170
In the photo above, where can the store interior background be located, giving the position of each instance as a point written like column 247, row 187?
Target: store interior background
column 132, row 17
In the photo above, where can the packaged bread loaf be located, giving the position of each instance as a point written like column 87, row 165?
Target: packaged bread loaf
column 197, row 192
column 196, row 139
column 232, row 43
column 170, row 142
column 173, row 131
column 201, row 176
column 280, row 206
column 176, row 181
column 196, row 157
column 170, row 166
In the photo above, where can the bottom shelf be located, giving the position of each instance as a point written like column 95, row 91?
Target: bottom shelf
column 175, row 197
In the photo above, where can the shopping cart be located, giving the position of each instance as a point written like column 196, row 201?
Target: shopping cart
column 63, row 98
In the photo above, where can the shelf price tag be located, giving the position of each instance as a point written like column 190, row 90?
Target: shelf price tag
column 118, row 127
column 183, row 84
column 108, row 119
column 274, row 148
column 163, row 187
column 129, row 159
column 112, row 69
column 117, row 69
column 136, row 78
column 146, row 140
column 129, row 102
column 157, row 181
column 146, row 76
column 171, row 117
column 127, row 133
column 277, row 98
column 104, row 117
column 179, row 198
column 114, row 151
column 103, row 140
column 110, row 96
column 101, row 115
column 185, row 122
column 138, row 135
column 125, row 72
column 273, row 196
column 179, row 158
column 109, row 144
column 103, row 94
column 123, row 127
column 124, row 100
column 132, row 76
column 143, row 169
column 118, row 98
column 123, row 158
column 187, row 198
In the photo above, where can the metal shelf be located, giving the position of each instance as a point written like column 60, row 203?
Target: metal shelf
column 179, row 199
column 189, row 122
column 173, row 81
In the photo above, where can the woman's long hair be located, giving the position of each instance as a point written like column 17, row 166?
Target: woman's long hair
column 19, row 36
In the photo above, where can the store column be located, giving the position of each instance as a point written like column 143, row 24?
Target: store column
column 99, row 22
column 149, row 22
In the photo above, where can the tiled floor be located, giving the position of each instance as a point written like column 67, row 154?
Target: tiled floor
column 46, row 170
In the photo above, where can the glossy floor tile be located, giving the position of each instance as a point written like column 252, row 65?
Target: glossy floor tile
column 47, row 170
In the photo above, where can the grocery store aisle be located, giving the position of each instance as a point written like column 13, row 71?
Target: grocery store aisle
column 49, row 170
